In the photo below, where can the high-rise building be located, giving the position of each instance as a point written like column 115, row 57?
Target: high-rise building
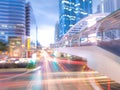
column 12, row 19
column 15, row 24
column 98, row 9
column 31, row 25
column 28, row 18
column 16, row 20
column 71, row 11
column 28, row 10
column 108, row 6
column 56, row 37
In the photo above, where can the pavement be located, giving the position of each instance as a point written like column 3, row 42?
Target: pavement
column 14, row 70
column 38, row 64
column 98, row 59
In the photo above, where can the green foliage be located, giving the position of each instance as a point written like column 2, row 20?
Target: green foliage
column 31, row 65
column 3, row 46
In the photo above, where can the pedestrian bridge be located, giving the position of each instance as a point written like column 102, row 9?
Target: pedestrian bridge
column 98, row 59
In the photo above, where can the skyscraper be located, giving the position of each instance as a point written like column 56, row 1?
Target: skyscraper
column 31, row 25
column 56, row 37
column 108, row 6
column 71, row 11
column 28, row 18
column 15, row 25
column 16, row 19
column 12, row 19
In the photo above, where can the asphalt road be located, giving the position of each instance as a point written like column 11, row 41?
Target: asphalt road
column 53, row 74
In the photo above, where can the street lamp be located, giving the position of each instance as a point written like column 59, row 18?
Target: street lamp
column 36, row 37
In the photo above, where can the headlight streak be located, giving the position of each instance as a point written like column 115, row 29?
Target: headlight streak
column 93, row 83
column 99, row 87
column 48, row 69
column 58, row 79
column 57, row 76
column 18, row 75
column 35, row 77
column 56, row 66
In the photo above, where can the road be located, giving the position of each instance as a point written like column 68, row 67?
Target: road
column 98, row 59
column 53, row 74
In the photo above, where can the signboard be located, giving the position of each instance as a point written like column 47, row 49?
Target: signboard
column 28, row 44
column 15, row 46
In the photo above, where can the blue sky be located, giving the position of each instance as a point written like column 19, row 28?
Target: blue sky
column 46, row 13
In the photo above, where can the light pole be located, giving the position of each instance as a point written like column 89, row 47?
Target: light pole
column 36, row 37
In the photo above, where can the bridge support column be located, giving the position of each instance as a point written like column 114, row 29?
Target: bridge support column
column 70, row 43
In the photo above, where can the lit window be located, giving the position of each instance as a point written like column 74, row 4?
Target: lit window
column 4, row 25
column 64, row 25
column 2, row 33
column 65, row 2
column 10, row 26
column 70, row 25
column 83, row 0
column 84, row 13
column 90, row 1
column 77, row 9
column 76, row 12
column 69, row 9
column 77, row 4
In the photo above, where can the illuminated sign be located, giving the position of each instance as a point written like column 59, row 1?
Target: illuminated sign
column 28, row 43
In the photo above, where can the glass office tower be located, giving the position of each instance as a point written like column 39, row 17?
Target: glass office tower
column 28, row 18
column 12, row 19
column 56, row 35
column 111, row 5
column 31, row 32
column 71, row 11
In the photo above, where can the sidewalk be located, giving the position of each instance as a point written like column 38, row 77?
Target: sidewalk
column 2, row 70
column 13, row 70
column 39, row 63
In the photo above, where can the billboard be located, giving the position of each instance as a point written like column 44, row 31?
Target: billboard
column 28, row 43
column 15, row 44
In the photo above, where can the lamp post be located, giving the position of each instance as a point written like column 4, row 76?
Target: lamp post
column 36, row 37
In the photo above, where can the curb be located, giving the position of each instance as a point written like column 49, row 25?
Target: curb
column 13, row 70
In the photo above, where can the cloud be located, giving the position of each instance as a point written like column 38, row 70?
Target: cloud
column 46, row 14
column 46, row 35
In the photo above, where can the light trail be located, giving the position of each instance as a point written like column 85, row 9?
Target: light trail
column 21, row 74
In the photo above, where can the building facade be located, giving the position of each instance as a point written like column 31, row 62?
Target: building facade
column 56, row 35
column 16, row 23
column 71, row 11
column 16, row 20
column 28, row 18
column 31, row 24
column 12, row 19
column 108, row 6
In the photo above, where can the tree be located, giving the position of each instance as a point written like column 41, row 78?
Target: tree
column 3, row 46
